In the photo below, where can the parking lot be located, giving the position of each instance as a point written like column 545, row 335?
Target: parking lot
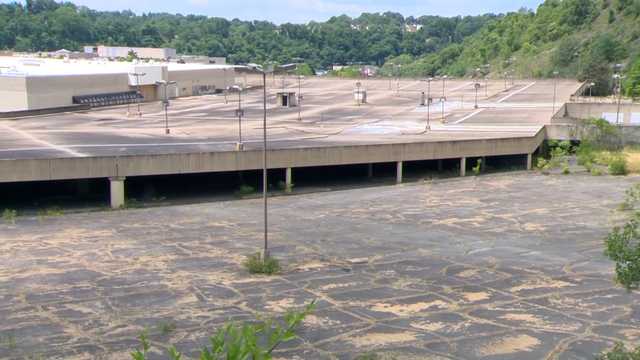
column 506, row 266
column 328, row 116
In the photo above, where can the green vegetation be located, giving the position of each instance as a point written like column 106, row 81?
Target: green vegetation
column 477, row 168
column 623, row 242
column 620, row 352
column 573, row 37
column 9, row 342
column 166, row 327
column 255, row 341
column 255, row 265
column 9, row 216
column 631, row 85
column 50, row 212
column 558, row 154
column 601, row 145
column 245, row 190
column 46, row 25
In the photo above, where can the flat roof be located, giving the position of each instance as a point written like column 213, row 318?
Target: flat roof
column 28, row 67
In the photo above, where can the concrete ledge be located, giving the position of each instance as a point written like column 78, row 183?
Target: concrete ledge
column 24, row 113
column 164, row 164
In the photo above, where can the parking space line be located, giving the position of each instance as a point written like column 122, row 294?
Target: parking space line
column 516, row 92
column 47, row 144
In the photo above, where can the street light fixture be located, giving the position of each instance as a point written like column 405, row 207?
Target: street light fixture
column 618, row 78
column 264, row 72
column 165, row 103
column 555, row 91
column 428, row 81
column 444, row 96
column 240, row 114
column 476, row 86
column 300, row 78
column 138, row 94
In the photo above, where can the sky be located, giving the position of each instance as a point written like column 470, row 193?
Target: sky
column 302, row 11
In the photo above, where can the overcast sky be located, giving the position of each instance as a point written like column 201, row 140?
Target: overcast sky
column 302, row 11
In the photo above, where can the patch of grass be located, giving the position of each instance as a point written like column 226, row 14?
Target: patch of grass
column 166, row 327
column 132, row 203
column 618, row 166
column 9, row 216
column 565, row 169
column 9, row 342
column 620, row 352
column 476, row 169
column 633, row 160
column 245, row 190
column 256, row 265
column 596, row 171
column 50, row 212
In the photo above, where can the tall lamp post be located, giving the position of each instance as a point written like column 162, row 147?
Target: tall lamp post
column 428, row 81
column 444, row 96
column 165, row 102
column 300, row 78
column 555, row 90
column 137, row 75
column 476, row 86
column 240, row 114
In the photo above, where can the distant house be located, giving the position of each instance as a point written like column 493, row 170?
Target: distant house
column 411, row 28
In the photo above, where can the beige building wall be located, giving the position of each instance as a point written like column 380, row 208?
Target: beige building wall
column 200, row 81
column 13, row 92
column 56, row 91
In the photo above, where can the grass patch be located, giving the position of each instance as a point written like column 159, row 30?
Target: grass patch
column 633, row 160
column 620, row 352
column 618, row 165
column 256, row 265
column 9, row 216
column 50, row 212
column 245, row 190
column 166, row 327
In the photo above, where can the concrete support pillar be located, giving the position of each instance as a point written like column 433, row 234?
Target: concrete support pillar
column 463, row 166
column 370, row 171
column 529, row 161
column 399, row 172
column 116, row 185
column 288, row 184
column 483, row 164
column 440, row 165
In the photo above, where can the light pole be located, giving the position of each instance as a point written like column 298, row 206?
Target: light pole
column 259, row 69
column 300, row 78
column 358, row 85
column 476, row 86
column 444, row 96
column 555, row 91
column 137, row 75
column 398, row 78
column 618, row 78
column 165, row 103
column 505, row 80
column 239, row 113
column 428, row 81
column 391, row 74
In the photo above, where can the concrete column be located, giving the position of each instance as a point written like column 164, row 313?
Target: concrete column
column 399, row 172
column 440, row 165
column 288, row 185
column 116, row 185
column 370, row 171
column 483, row 164
column 529, row 161
column 463, row 166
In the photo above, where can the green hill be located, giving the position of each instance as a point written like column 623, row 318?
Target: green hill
column 576, row 38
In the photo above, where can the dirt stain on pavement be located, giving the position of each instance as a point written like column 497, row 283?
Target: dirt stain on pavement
column 509, row 345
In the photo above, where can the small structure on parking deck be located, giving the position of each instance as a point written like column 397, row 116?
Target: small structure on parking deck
column 287, row 99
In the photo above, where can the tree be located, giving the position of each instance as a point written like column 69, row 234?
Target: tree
column 632, row 83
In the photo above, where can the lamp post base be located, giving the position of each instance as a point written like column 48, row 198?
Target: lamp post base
column 239, row 146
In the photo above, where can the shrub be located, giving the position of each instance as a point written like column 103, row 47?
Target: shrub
column 476, row 169
column 623, row 247
column 245, row 190
column 618, row 166
column 565, row 169
column 620, row 352
column 256, row 265
column 9, row 216
column 255, row 340
column 596, row 171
